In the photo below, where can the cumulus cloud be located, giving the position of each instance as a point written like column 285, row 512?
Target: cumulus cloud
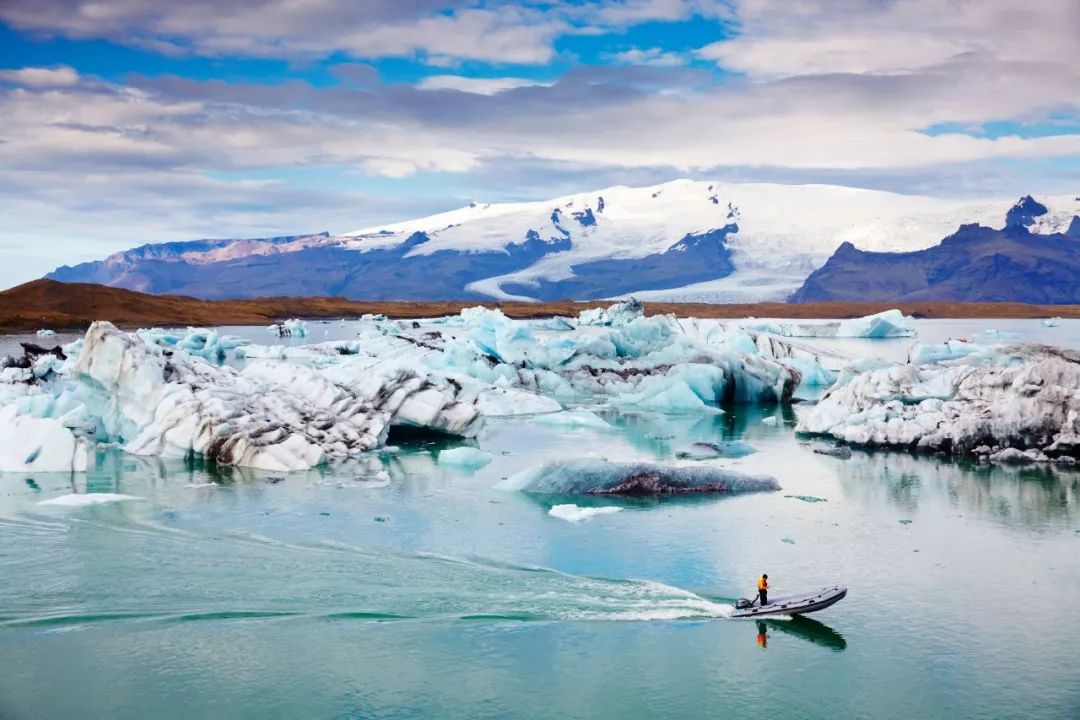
column 647, row 56
column 476, row 85
column 41, row 76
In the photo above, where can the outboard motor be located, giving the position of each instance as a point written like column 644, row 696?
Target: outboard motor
column 742, row 604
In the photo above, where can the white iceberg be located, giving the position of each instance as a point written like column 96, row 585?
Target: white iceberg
column 620, row 314
column 575, row 514
column 1051, row 322
column 38, row 444
column 201, row 342
column 289, row 328
column 178, row 405
column 1023, row 397
column 46, row 333
column 887, row 324
column 466, row 458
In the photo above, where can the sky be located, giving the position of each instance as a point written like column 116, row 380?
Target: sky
column 124, row 122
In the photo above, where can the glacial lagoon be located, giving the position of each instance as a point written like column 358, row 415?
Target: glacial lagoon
column 399, row 586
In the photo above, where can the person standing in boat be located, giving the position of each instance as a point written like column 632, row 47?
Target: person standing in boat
column 763, row 589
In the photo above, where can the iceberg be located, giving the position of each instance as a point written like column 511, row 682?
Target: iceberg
column 620, row 314
column 887, row 324
column 601, row 477
column 1001, row 334
column 1022, row 397
column 44, row 333
column 178, row 405
column 289, row 328
column 38, row 444
column 1051, row 322
column 573, row 513
column 921, row 354
column 466, row 458
column 202, row 342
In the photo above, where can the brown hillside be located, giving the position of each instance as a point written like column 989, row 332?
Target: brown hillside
column 72, row 306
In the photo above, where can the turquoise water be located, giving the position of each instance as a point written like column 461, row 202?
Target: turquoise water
column 337, row 594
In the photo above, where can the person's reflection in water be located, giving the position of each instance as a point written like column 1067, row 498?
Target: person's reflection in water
column 762, row 635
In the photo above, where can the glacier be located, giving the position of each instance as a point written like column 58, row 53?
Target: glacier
column 602, row 477
column 1024, row 398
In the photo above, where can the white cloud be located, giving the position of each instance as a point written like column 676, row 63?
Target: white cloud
column 60, row 76
column 476, row 85
column 647, row 56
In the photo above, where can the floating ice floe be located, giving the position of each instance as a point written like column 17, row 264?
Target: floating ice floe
column 178, row 405
column 600, row 477
column 466, row 458
column 620, row 314
column 1051, row 322
column 1001, row 334
column 573, row 419
column 289, row 328
column 1023, row 397
column 709, row 451
column 38, row 444
column 575, row 514
column 921, row 354
column 201, row 342
column 887, row 324
column 84, row 499
column 318, row 351
column 44, row 333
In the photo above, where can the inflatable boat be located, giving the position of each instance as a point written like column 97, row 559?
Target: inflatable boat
column 791, row 604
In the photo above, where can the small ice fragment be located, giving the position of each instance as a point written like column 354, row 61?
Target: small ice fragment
column 82, row 499
column 807, row 498
column 573, row 513
column 43, row 333
column 769, row 421
column 709, row 451
column 467, row 458
column 840, row 451
column 573, row 419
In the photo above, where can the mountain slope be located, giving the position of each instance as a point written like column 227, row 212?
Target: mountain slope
column 684, row 240
column 975, row 264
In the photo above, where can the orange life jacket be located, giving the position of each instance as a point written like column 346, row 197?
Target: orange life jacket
column 762, row 584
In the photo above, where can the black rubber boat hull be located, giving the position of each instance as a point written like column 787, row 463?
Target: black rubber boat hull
column 794, row 604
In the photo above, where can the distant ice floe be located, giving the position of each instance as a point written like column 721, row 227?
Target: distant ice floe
column 289, row 328
column 601, row 477
column 1051, row 322
column 618, row 315
column 201, row 342
column 573, row 513
column 45, row 333
column 887, row 324
column 710, row 451
column 997, row 402
column 466, row 458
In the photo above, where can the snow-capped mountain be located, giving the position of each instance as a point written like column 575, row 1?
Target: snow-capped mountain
column 682, row 240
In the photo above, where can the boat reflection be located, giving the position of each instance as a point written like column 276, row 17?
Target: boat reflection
column 802, row 627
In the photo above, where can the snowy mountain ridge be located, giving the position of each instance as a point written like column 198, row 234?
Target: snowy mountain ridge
column 681, row 240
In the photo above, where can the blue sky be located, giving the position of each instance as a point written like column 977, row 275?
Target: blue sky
column 133, row 121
